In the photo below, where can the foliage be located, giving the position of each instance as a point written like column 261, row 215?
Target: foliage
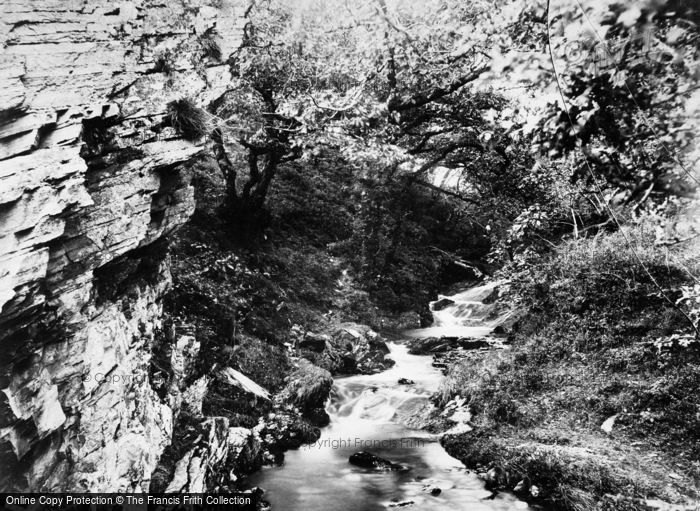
column 418, row 90
column 690, row 298
column 627, row 70
column 164, row 62
column 315, row 198
column 404, row 239
column 395, row 74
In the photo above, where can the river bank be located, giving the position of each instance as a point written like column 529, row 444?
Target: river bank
column 593, row 404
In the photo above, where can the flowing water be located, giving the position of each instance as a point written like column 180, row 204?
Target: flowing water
column 466, row 316
column 375, row 413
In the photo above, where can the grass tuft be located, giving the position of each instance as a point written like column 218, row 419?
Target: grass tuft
column 164, row 63
column 210, row 45
column 188, row 119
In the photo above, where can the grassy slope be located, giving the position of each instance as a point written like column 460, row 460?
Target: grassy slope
column 585, row 351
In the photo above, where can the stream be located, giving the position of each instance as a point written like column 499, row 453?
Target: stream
column 377, row 414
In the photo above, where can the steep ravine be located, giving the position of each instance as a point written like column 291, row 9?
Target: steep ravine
column 91, row 182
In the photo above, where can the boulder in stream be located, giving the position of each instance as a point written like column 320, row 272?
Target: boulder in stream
column 433, row 490
column 351, row 348
column 366, row 459
column 441, row 304
column 308, row 387
column 432, row 345
column 401, row 503
column 284, row 430
column 314, row 342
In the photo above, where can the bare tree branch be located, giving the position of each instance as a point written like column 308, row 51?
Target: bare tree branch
column 449, row 193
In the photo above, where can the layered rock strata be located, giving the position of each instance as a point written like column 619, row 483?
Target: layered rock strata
column 92, row 179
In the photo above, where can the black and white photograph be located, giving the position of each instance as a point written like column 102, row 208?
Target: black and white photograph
column 350, row 255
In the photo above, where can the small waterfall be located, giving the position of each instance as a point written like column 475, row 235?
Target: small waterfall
column 379, row 398
column 463, row 314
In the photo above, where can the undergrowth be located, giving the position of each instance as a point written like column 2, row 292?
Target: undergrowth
column 603, row 336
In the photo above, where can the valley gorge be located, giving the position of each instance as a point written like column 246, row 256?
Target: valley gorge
column 358, row 255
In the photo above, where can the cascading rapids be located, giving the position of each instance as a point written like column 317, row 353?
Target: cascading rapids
column 378, row 398
column 465, row 315
column 376, row 413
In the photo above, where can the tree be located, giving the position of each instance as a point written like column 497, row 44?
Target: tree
column 250, row 116
column 396, row 72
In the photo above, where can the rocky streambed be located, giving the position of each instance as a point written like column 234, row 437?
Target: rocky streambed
column 381, row 448
column 215, row 443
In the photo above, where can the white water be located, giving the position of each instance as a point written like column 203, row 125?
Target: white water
column 467, row 316
column 374, row 413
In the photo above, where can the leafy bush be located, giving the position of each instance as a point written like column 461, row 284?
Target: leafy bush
column 614, row 274
column 690, row 298
column 164, row 62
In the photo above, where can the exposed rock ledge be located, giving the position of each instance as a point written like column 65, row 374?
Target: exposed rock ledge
column 90, row 179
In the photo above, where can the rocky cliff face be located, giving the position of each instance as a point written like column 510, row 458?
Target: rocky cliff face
column 91, row 180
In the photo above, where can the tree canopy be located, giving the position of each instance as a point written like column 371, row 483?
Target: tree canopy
column 546, row 118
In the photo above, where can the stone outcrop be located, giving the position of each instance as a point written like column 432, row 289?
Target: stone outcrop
column 432, row 345
column 220, row 453
column 284, row 429
column 92, row 178
column 242, row 382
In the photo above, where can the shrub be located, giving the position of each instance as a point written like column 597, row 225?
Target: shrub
column 612, row 277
